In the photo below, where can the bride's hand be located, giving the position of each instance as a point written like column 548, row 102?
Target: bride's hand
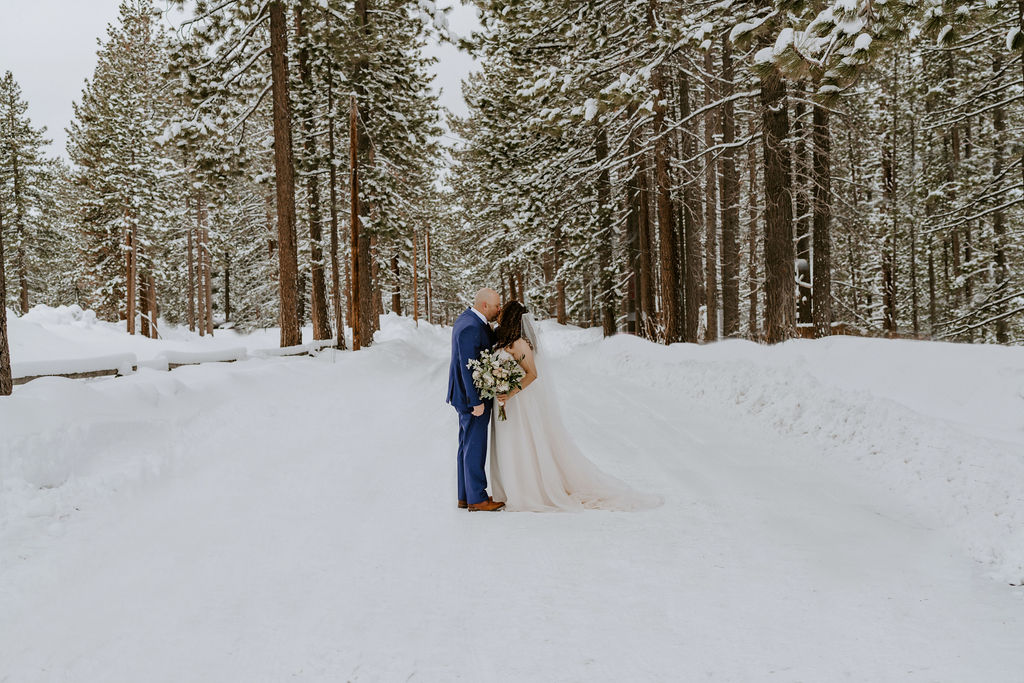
column 503, row 397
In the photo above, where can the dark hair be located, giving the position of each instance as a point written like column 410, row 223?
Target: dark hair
column 510, row 324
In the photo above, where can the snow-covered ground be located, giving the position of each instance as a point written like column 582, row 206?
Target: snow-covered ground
column 834, row 510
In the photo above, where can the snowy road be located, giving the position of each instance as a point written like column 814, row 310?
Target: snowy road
column 296, row 520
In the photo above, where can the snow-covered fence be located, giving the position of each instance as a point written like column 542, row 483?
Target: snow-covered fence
column 298, row 350
column 176, row 359
column 75, row 368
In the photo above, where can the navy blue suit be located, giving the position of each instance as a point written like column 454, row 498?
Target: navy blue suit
column 470, row 336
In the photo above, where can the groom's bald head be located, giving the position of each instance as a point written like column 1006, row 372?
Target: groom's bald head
column 488, row 302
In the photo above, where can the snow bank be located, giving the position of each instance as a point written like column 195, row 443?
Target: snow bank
column 940, row 424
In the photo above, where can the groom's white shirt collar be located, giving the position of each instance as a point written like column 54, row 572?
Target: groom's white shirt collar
column 480, row 315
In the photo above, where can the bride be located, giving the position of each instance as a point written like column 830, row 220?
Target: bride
column 534, row 463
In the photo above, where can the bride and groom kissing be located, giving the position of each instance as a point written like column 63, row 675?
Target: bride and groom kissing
column 534, row 463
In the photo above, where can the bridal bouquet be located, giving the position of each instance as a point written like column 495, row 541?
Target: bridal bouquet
column 496, row 373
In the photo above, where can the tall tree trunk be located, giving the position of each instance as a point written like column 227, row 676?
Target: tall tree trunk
column 778, row 242
column 208, row 279
column 151, row 307
column 693, row 267
column 415, row 278
column 430, row 290
column 631, row 244
column 131, row 279
column 803, row 228
column 668, row 248
column 200, row 267
column 999, row 218
column 753, row 281
column 318, row 294
column 144, row 293
column 191, row 305
column 604, row 213
column 560, row 314
column 648, row 307
column 284, row 167
column 396, row 286
column 227, row 286
column 730, row 202
column 821, row 272
column 6, row 381
column 336, row 289
column 354, row 312
column 710, row 202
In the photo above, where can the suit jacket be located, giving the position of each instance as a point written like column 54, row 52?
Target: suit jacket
column 470, row 336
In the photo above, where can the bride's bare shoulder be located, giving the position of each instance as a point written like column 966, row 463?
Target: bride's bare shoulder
column 520, row 347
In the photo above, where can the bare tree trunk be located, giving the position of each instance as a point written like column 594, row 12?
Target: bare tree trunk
column 6, row 381
column 354, row 313
column 208, row 279
column 634, row 312
column 559, row 283
column 227, row 286
column 415, row 278
column 604, row 211
column 191, row 305
column 753, row 281
column 144, row 294
column 669, row 245
column 822, row 269
column 318, row 294
column 396, row 284
column 200, row 267
column 284, row 167
column 151, row 307
column 131, row 256
column 693, row 266
column 999, row 218
column 339, row 319
column 778, row 251
column 730, row 203
column 648, row 309
column 430, row 292
column 803, row 227
column 710, row 203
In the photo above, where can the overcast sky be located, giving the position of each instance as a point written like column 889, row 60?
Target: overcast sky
column 50, row 46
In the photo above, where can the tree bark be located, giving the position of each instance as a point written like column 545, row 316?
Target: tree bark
column 318, row 293
column 693, row 276
column 753, row 281
column 151, row 307
column 648, row 308
column 131, row 279
column 999, row 218
column 396, row 286
column 336, row 289
column 354, row 312
column 284, row 167
column 200, row 267
column 730, row 202
column 821, row 271
column 415, row 278
column 191, row 305
column 710, row 203
column 604, row 213
column 803, row 227
column 6, row 382
column 778, row 242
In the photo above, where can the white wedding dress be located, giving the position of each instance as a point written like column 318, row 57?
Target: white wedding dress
column 534, row 463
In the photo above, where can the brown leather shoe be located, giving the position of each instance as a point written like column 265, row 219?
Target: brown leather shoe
column 486, row 506
column 463, row 505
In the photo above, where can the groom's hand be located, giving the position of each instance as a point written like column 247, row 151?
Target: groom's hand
column 478, row 410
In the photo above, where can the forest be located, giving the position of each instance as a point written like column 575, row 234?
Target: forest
column 681, row 171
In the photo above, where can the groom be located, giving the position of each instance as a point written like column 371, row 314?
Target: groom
column 471, row 335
